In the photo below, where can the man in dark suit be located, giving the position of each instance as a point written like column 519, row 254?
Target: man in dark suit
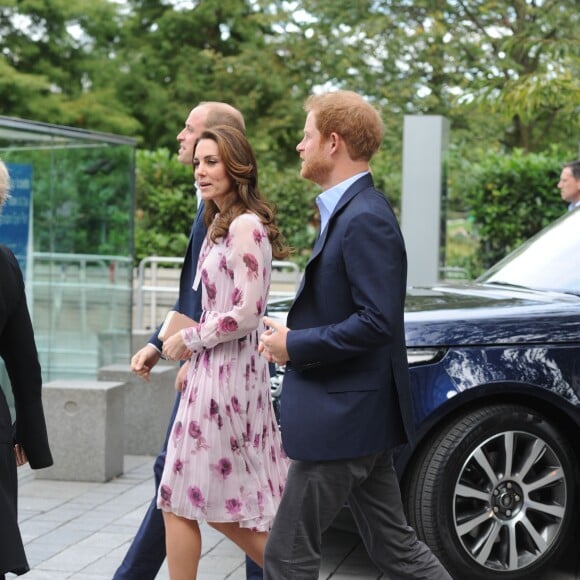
column 147, row 551
column 345, row 400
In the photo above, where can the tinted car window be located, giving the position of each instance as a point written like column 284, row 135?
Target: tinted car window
column 549, row 261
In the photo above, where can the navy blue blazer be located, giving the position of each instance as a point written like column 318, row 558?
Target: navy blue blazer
column 189, row 300
column 346, row 387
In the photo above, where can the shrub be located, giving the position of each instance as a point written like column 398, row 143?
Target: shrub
column 166, row 205
column 509, row 198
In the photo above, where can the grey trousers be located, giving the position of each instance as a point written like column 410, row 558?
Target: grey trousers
column 314, row 494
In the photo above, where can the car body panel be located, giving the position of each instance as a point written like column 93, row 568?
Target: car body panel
column 486, row 315
column 498, row 371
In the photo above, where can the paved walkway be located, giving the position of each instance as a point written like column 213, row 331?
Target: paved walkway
column 82, row 530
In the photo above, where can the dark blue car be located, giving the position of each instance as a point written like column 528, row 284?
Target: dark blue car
column 492, row 482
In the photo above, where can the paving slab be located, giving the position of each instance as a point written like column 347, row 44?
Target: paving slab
column 82, row 530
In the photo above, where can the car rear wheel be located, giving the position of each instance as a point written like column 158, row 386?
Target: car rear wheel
column 494, row 494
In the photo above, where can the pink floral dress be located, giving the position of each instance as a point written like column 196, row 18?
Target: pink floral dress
column 225, row 461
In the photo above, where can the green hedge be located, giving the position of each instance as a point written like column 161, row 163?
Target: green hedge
column 166, row 205
column 509, row 198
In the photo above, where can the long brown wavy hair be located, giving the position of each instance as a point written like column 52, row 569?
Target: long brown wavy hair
column 238, row 157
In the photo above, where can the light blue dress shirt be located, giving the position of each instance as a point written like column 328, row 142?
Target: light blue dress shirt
column 329, row 199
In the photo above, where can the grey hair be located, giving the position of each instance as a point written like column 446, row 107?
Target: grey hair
column 4, row 184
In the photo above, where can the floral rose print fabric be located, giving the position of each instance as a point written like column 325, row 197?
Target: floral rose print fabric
column 225, row 460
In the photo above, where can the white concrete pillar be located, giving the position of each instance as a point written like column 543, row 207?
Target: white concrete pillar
column 423, row 215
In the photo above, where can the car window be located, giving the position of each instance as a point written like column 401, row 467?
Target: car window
column 548, row 261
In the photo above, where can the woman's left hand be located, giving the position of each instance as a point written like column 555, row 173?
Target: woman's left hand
column 174, row 348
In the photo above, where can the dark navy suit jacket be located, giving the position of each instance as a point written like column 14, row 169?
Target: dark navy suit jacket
column 346, row 388
column 189, row 300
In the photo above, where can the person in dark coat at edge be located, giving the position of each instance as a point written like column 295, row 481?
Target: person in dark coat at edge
column 147, row 550
column 27, row 440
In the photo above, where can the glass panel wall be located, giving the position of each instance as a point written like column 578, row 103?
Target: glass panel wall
column 70, row 223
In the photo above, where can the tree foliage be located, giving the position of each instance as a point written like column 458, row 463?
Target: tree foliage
column 56, row 65
column 515, row 61
column 166, row 205
column 507, row 68
column 510, row 198
column 504, row 72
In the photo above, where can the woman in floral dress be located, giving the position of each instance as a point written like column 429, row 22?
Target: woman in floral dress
column 225, row 464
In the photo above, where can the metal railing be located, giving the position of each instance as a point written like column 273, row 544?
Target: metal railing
column 149, row 278
column 80, row 305
column 80, row 274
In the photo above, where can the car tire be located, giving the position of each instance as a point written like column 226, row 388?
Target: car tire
column 493, row 494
